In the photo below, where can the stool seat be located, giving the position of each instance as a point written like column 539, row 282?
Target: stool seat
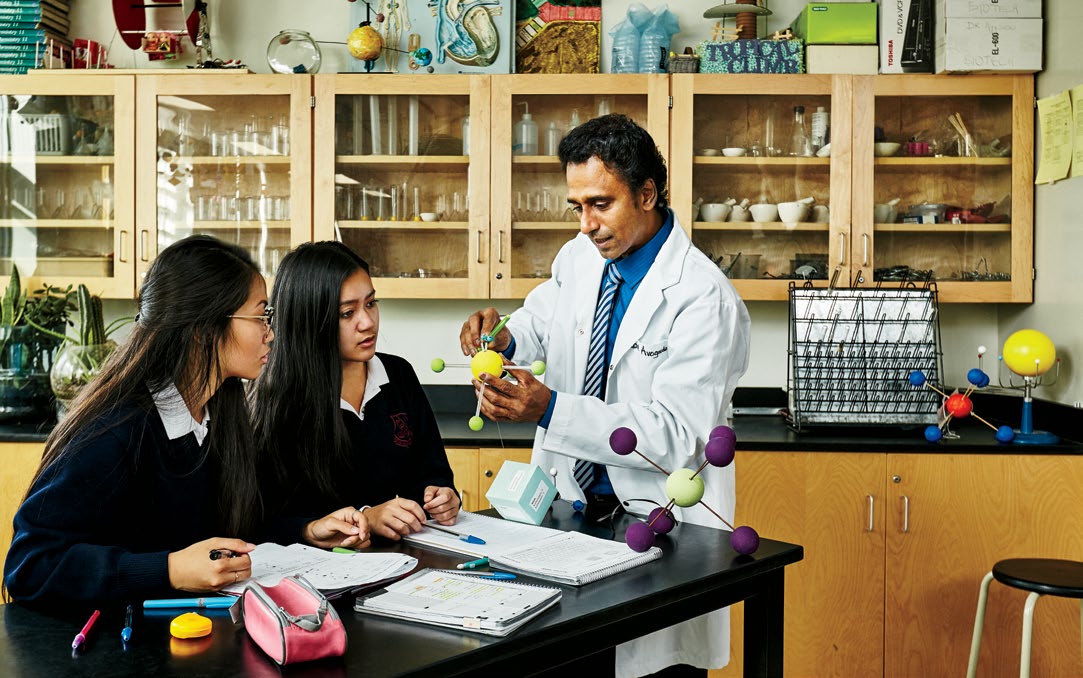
column 1047, row 576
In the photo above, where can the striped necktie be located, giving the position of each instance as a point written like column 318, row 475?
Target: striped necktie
column 594, row 383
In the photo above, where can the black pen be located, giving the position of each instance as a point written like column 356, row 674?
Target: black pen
column 222, row 553
column 126, row 632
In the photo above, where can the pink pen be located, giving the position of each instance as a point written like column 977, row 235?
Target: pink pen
column 80, row 637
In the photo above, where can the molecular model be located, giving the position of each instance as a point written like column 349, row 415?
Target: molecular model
column 959, row 405
column 489, row 362
column 684, row 487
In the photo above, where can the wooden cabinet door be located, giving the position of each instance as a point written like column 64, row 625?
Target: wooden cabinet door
column 464, row 464
column 966, row 512
column 20, row 462
column 489, row 461
column 832, row 504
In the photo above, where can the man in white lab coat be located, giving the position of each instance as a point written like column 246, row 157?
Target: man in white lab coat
column 677, row 341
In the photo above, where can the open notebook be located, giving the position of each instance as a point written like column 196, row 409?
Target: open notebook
column 564, row 557
column 460, row 601
column 332, row 573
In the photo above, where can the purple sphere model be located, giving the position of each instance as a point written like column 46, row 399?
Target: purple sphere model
column 719, row 451
column 639, row 537
column 623, row 441
column 661, row 521
column 744, row 540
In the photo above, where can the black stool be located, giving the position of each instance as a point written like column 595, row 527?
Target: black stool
column 1040, row 576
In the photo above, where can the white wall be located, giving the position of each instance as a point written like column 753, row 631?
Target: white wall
column 421, row 330
column 1058, row 218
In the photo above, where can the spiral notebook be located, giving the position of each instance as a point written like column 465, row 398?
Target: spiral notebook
column 461, row 601
column 565, row 557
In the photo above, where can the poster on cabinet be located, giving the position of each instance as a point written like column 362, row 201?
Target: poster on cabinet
column 443, row 36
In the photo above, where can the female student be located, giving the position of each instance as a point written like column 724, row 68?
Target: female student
column 154, row 461
column 339, row 421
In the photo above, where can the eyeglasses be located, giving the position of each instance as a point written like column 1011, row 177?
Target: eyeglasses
column 266, row 318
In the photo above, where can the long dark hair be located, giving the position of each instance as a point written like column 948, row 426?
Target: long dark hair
column 191, row 289
column 624, row 147
column 299, row 429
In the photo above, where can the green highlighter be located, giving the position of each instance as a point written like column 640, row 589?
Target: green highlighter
column 343, row 549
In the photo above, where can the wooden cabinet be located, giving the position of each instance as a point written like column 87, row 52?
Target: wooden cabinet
column 400, row 179
column 895, row 548
column 476, row 468
column 227, row 155
column 977, row 189
column 67, row 181
column 18, row 464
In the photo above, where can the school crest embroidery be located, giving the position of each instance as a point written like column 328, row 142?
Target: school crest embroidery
column 402, row 435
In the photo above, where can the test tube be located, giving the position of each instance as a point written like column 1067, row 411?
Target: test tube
column 417, row 204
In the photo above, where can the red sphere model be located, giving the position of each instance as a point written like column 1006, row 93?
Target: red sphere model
column 959, row 405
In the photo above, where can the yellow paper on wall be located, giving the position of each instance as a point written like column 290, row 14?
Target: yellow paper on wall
column 1055, row 134
column 1077, row 131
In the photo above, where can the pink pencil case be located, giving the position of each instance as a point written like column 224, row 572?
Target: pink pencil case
column 291, row 621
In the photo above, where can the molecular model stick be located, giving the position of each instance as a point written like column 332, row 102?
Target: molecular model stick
column 959, row 405
column 489, row 362
column 684, row 487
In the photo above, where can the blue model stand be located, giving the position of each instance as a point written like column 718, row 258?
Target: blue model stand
column 1025, row 434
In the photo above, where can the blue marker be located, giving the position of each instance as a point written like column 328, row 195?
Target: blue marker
column 468, row 538
column 491, row 575
column 126, row 632
column 209, row 603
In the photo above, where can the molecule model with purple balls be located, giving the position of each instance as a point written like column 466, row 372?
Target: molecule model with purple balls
column 684, row 487
column 489, row 362
column 959, row 405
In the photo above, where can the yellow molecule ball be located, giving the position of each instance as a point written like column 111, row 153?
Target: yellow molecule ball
column 537, row 367
column 683, row 488
column 364, row 43
column 487, row 361
column 1029, row 353
column 476, row 423
column 437, row 365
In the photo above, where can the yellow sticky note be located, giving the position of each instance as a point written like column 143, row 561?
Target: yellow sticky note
column 1055, row 133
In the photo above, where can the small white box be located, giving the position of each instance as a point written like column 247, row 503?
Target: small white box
column 989, row 9
column 846, row 59
column 906, row 35
column 522, row 492
column 967, row 45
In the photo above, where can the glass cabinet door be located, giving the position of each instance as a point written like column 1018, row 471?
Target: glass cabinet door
column 937, row 195
column 228, row 155
column 531, row 219
column 401, row 177
column 65, row 168
column 760, row 176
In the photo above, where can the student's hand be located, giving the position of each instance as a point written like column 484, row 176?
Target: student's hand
column 346, row 527
column 193, row 570
column 476, row 325
column 526, row 400
column 395, row 518
column 442, row 504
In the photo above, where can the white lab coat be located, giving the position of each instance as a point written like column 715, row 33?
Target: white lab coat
column 680, row 349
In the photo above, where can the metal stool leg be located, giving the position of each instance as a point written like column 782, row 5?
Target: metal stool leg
column 979, row 621
column 1028, row 626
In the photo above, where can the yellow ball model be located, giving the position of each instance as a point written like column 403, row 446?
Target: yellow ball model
column 1029, row 353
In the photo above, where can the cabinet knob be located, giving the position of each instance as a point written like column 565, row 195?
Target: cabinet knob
column 499, row 276
column 896, row 479
column 488, row 473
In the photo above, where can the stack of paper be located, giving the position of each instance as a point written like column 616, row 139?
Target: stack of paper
column 332, row 573
column 565, row 557
column 460, row 601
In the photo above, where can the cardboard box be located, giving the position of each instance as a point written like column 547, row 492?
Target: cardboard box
column 752, row 56
column 989, row 9
column 989, row 46
column 906, row 36
column 836, row 23
column 522, row 492
column 847, row 59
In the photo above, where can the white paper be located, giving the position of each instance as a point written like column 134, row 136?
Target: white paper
column 325, row 570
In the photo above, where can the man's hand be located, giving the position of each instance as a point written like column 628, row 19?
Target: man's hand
column 526, row 400
column 478, row 324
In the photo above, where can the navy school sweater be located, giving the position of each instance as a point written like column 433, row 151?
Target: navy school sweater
column 99, row 524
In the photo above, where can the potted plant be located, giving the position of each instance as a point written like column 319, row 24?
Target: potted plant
column 29, row 338
column 84, row 355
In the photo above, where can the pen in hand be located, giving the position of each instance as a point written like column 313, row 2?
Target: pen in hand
column 126, row 632
column 217, row 554
column 468, row 538
column 80, row 637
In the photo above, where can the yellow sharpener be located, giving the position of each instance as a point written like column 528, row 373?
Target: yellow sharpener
column 190, row 625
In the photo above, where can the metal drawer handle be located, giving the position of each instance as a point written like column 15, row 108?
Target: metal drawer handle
column 906, row 513
column 865, row 246
column 842, row 248
column 122, row 255
column 872, row 513
column 479, row 247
